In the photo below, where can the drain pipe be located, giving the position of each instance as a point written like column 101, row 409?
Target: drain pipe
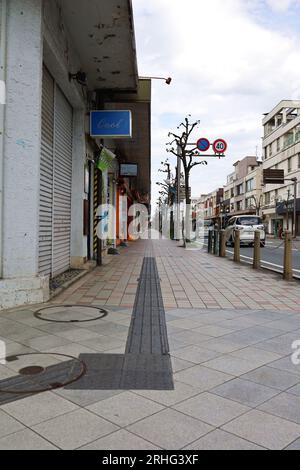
column 3, row 18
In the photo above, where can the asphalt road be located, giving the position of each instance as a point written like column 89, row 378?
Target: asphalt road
column 271, row 255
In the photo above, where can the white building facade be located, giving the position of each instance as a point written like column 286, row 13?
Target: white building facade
column 281, row 151
column 45, row 143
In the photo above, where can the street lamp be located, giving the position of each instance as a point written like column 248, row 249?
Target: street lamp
column 167, row 80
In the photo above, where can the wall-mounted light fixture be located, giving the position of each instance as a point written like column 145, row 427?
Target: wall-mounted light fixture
column 80, row 77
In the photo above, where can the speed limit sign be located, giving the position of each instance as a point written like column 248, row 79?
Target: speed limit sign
column 220, row 146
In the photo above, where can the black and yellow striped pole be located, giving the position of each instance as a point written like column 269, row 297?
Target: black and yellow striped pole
column 97, row 243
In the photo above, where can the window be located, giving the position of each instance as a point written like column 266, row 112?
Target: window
column 249, row 202
column 267, row 198
column 278, row 145
column 290, row 165
column 239, row 205
column 298, row 160
column 265, row 153
column 248, row 220
column 239, row 189
column 270, row 150
column 250, row 185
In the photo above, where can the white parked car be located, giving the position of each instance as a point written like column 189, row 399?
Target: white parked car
column 247, row 225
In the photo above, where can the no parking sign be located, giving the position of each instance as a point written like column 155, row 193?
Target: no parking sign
column 203, row 144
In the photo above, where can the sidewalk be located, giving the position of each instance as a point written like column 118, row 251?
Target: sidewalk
column 230, row 332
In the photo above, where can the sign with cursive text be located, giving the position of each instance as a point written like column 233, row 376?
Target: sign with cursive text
column 113, row 124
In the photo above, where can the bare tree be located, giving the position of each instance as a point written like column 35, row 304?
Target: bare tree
column 183, row 149
column 257, row 203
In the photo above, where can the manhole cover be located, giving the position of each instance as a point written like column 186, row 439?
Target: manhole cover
column 41, row 372
column 70, row 313
column 31, row 370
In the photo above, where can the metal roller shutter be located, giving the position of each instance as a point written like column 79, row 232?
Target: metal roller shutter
column 46, row 176
column 62, row 188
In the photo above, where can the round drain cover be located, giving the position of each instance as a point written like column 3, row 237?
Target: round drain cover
column 70, row 313
column 49, row 372
column 31, row 370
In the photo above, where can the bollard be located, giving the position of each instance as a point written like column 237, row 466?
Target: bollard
column 222, row 244
column 256, row 253
column 237, row 246
column 288, row 259
column 216, row 242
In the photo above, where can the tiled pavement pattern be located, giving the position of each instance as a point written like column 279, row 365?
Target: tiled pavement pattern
column 189, row 279
column 230, row 333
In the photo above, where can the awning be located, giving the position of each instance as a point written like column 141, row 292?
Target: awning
column 103, row 33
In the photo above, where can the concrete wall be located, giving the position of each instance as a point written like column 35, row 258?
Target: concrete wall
column 35, row 33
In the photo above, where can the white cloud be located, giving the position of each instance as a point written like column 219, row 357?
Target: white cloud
column 227, row 70
column 281, row 5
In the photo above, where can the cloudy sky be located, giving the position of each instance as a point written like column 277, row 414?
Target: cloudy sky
column 230, row 60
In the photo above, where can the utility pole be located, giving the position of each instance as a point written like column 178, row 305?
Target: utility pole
column 295, row 181
column 178, row 176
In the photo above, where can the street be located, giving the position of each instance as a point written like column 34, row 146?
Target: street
column 271, row 255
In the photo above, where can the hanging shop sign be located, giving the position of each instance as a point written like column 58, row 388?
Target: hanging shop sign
column 105, row 160
column 111, row 124
column 271, row 176
column 128, row 169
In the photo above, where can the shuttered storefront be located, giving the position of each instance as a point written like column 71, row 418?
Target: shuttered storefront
column 46, row 176
column 62, row 184
column 55, row 180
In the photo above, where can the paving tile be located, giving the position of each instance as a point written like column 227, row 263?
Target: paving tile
column 285, row 406
column 25, row 440
column 120, row 440
column 85, row 398
column 179, row 364
column 281, row 345
column 78, row 335
column 274, row 378
column 223, row 345
column 295, row 390
column 185, row 323
column 245, row 392
column 202, row 378
column 170, row 397
column 221, row 440
column 195, row 354
column 231, row 365
column 286, row 364
column 125, row 408
column 45, row 343
column 294, row 446
column 214, row 330
column 260, row 356
column 211, row 409
column 191, row 337
column 38, row 408
column 170, row 429
column 72, row 349
column 75, row 429
column 264, row 429
column 8, row 425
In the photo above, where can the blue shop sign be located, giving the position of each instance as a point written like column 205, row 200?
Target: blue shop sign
column 111, row 124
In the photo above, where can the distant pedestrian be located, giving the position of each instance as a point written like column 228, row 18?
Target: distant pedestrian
column 280, row 231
